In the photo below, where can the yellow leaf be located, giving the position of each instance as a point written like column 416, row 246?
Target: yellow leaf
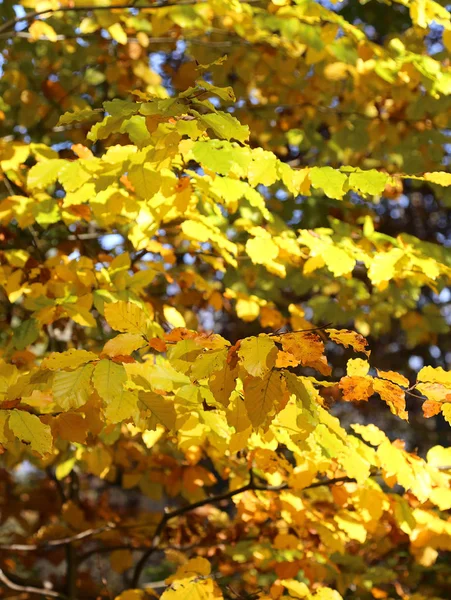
column 261, row 250
column 370, row 433
column 297, row 589
column 173, row 316
column 357, row 367
column 393, row 377
column 261, row 397
column 71, row 389
column 126, row 317
column 383, row 266
column 109, row 379
column 446, row 412
column 247, row 310
column 131, row 595
column 70, row 359
column 434, row 375
column 187, row 589
column 446, row 37
column 161, row 410
column 117, row 33
column 124, row 344
column 439, row 177
column 41, row 29
column 193, row 567
column 30, row 430
column 196, row 231
column 257, row 354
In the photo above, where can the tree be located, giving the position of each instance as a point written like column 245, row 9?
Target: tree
column 205, row 259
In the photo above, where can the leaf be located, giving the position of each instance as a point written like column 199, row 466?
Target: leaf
column 356, row 388
column 222, row 157
column 161, row 410
column 45, row 173
column 261, row 250
column 262, row 396
column 124, row 344
column 108, row 380
column 357, row 367
column 203, row 589
column 331, row 181
column 262, row 169
column 348, row 338
column 131, row 595
column 192, row 567
column 307, row 348
column 30, row 430
column 393, row 395
column 368, row 182
column 222, row 383
column 258, row 355
column 439, row 177
column 208, row 363
column 383, row 266
column 70, row 359
column 225, row 126
column 435, row 375
column 41, row 29
column 117, row 33
column 446, row 411
column 393, row 377
column 121, row 560
column 84, row 114
column 25, row 334
column 126, row 317
column 145, row 180
column 71, row 389
column 71, row 426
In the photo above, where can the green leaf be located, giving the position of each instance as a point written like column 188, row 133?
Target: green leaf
column 223, row 157
column 224, row 126
column 368, row 182
column 330, row 180
column 25, row 334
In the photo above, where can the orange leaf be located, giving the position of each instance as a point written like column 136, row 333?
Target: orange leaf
column 431, row 408
column 356, row 388
column 349, row 338
column 393, row 395
column 307, row 348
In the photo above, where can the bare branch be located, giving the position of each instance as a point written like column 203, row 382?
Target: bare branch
column 28, row 589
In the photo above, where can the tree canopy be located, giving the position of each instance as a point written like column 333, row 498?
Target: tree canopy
column 225, row 300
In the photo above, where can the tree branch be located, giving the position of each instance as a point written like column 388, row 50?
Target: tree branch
column 251, row 486
column 26, row 18
column 28, row 589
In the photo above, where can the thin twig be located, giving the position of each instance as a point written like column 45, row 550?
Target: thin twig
column 28, row 589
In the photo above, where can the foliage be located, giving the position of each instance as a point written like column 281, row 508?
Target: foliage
column 189, row 271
